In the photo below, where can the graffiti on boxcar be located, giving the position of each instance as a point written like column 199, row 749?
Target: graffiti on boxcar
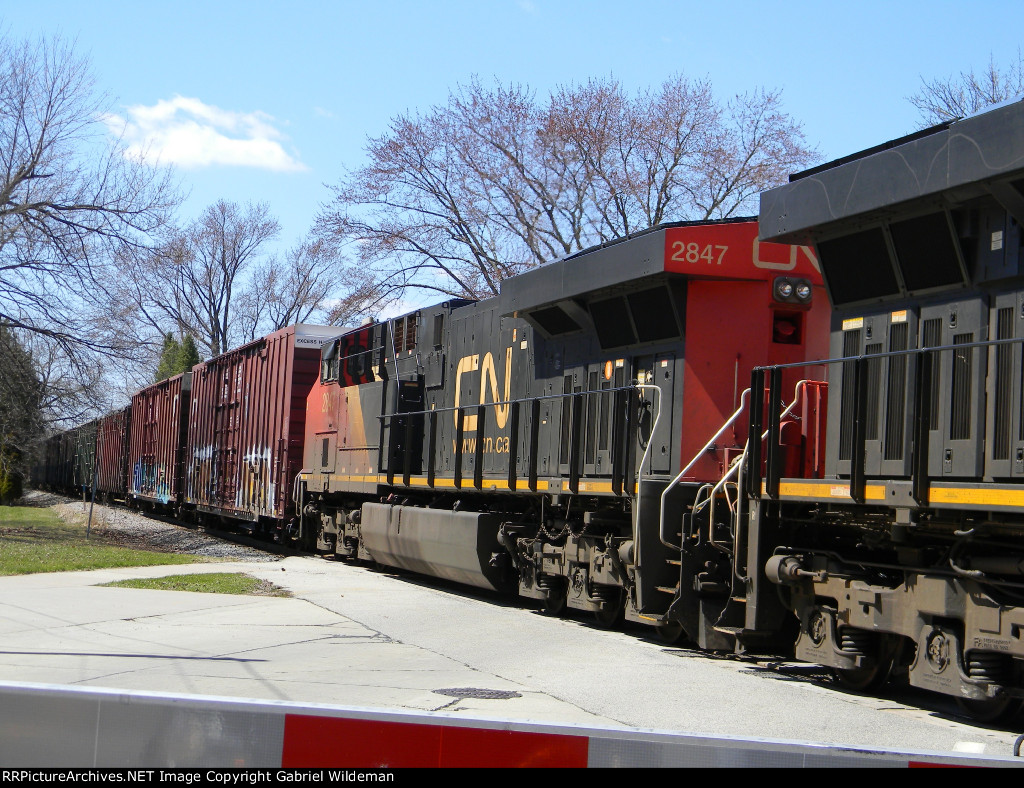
column 152, row 481
column 256, row 482
column 201, row 476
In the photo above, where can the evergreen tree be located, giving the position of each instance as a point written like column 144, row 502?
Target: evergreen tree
column 169, row 359
column 177, row 357
column 189, row 355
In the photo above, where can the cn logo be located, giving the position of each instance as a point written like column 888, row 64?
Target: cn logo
column 772, row 250
column 488, row 380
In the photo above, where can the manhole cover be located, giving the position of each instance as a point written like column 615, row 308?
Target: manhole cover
column 475, row 692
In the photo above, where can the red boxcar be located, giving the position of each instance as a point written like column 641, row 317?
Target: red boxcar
column 158, row 419
column 246, row 424
column 112, row 454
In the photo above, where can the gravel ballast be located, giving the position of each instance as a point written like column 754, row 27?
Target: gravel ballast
column 133, row 529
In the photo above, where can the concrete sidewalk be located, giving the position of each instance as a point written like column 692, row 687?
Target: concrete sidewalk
column 64, row 629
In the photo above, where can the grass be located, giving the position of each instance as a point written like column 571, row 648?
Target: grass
column 213, row 583
column 36, row 540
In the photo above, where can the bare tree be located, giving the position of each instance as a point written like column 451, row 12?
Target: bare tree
column 947, row 99
column 297, row 289
column 70, row 199
column 464, row 195
column 194, row 280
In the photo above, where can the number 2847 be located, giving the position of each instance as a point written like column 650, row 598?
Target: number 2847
column 693, row 253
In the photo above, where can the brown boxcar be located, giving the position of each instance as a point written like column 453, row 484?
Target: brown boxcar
column 112, row 454
column 156, row 438
column 246, row 425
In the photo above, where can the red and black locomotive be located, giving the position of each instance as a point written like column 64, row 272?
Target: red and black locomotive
column 554, row 440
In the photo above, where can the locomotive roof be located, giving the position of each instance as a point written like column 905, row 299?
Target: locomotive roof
column 606, row 265
column 942, row 166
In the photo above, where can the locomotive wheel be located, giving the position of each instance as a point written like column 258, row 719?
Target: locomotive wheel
column 864, row 679
column 1001, row 709
column 876, row 676
column 611, row 615
column 670, row 633
column 554, row 601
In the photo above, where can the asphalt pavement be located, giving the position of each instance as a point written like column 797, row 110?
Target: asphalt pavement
column 357, row 637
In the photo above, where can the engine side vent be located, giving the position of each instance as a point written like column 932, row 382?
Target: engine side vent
column 874, row 390
column 612, row 322
column 851, row 347
column 926, row 251
column 931, row 336
column 857, row 267
column 1002, row 427
column 897, row 393
column 554, row 320
column 960, row 399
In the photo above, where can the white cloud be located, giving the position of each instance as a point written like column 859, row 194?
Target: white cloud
column 527, row 6
column 188, row 133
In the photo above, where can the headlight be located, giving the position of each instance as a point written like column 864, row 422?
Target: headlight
column 792, row 290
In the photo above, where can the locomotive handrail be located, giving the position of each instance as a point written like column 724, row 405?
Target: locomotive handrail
column 684, row 471
column 736, row 466
column 919, row 370
column 824, row 362
column 514, row 406
column 640, row 487
column 559, row 395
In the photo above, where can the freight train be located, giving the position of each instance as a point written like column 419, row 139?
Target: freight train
column 643, row 430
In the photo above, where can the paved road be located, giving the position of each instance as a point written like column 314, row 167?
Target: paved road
column 358, row 637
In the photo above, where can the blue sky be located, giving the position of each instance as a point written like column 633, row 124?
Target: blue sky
column 270, row 101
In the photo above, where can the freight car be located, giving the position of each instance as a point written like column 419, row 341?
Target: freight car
column 908, row 557
column 112, row 446
column 66, row 459
column 559, row 439
column 159, row 418
column 246, row 415
column 215, row 445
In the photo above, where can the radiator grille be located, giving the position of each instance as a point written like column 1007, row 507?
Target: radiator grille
column 960, row 398
column 851, row 347
column 874, row 391
column 592, row 402
column 931, row 336
column 563, row 450
column 897, row 390
column 1001, row 427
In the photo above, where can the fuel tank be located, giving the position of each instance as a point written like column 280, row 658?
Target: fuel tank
column 456, row 546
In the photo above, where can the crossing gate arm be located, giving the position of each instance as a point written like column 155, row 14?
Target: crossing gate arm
column 45, row 725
